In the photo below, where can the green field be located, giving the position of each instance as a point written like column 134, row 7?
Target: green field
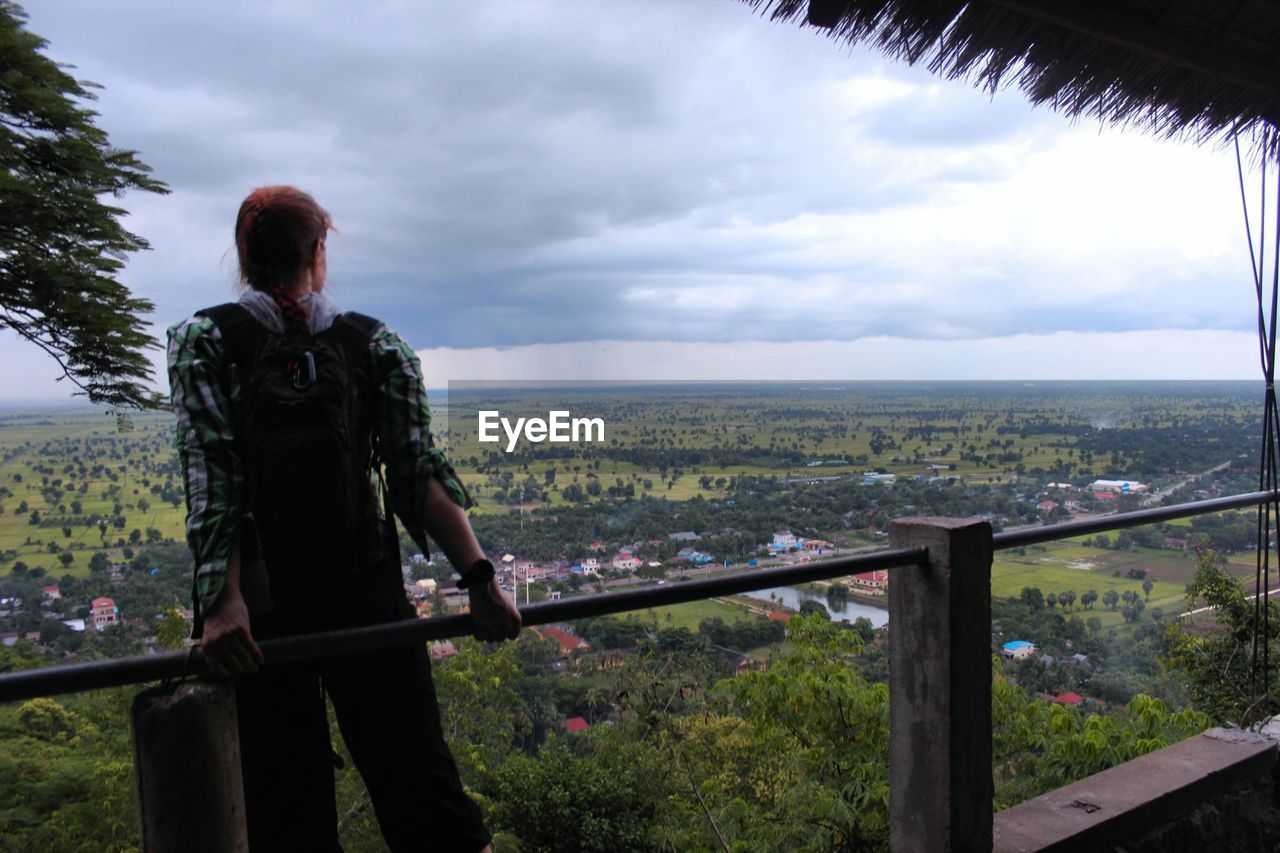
column 980, row 433
column 690, row 614
column 87, row 485
column 1060, row 566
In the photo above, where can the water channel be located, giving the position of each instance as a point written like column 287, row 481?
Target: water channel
column 792, row 597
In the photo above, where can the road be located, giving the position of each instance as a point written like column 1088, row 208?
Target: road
column 1168, row 490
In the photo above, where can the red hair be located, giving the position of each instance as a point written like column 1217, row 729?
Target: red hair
column 278, row 231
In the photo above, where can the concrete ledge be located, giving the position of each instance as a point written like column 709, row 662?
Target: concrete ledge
column 1126, row 804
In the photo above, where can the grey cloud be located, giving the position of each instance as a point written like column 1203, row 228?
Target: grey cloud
column 511, row 173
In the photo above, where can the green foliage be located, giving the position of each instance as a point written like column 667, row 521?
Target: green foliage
column 61, row 245
column 480, row 710
column 833, row 730
column 65, row 780
column 171, row 629
column 1039, row 746
column 1217, row 659
column 601, row 800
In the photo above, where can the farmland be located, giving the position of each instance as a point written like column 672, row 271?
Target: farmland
column 731, row 460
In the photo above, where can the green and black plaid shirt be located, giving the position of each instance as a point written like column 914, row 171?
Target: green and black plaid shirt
column 203, row 398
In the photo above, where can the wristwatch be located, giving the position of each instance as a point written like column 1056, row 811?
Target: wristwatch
column 481, row 571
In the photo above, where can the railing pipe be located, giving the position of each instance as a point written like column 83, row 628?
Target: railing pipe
column 1123, row 520
column 114, row 673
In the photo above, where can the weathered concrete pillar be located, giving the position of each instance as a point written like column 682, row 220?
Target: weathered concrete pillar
column 940, row 785
column 186, row 750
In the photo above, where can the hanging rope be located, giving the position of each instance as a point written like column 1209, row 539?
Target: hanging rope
column 1260, row 658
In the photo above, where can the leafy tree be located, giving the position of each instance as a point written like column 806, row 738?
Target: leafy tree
column 1039, row 746
column 813, row 607
column 834, row 727
column 1033, row 597
column 1133, row 612
column 1110, row 598
column 171, row 629
column 599, row 801
column 1217, row 659
column 61, row 245
column 1147, row 586
column 1088, row 598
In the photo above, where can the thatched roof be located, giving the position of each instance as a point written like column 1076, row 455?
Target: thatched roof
column 1195, row 68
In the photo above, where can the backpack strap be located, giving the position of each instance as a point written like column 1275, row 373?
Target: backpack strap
column 355, row 332
column 362, row 323
column 240, row 331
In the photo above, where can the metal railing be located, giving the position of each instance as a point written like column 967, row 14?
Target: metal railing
column 171, row 665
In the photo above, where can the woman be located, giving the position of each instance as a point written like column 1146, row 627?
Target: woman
column 250, row 582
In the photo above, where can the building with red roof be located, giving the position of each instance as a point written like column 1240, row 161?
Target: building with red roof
column 576, row 724
column 568, row 642
column 103, row 613
column 874, row 583
column 1069, row 698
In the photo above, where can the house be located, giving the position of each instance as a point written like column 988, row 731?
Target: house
column 1069, row 698
column 874, row 583
column 1018, row 649
column 816, row 546
column 529, row 571
column 783, row 540
column 1047, row 506
column 573, row 725
column 684, row 536
column 625, row 562
column 568, row 642
column 103, row 613
column 51, row 592
column 872, row 478
column 77, row 625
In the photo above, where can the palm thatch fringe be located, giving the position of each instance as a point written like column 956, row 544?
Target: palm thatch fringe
column 1197, row 69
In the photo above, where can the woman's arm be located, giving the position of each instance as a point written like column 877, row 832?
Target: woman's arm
column 428, row 496
column 227, row 643
column 492, row 611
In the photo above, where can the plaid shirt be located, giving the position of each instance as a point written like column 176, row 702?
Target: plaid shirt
column 204, row 398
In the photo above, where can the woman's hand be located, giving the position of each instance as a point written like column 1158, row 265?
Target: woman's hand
column 493, row 615
column 227, row 644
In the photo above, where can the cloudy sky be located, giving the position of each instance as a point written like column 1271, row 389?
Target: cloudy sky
column 659, row 189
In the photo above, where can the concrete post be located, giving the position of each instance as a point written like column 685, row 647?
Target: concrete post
column 940, row 784
column 186, row 748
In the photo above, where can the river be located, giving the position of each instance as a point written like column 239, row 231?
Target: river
column 792, row 597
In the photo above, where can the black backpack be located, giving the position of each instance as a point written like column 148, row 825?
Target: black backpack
column 304, row 433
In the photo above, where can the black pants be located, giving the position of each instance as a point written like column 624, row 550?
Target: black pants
column 387, row 712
